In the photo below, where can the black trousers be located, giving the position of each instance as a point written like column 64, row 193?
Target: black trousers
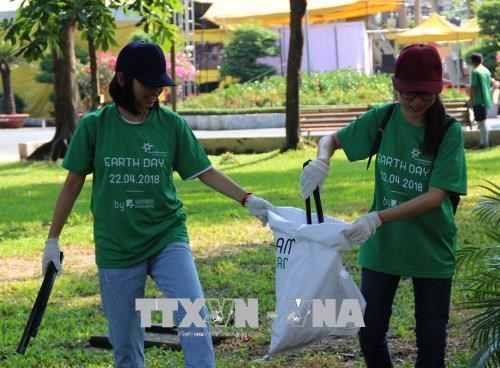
column 432, row 304
column 480, row 112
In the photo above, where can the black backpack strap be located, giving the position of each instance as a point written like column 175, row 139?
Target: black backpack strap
column 455, row 200
column 380, row 132
column 454, row 197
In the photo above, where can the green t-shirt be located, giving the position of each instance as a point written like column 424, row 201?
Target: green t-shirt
column 134, row 203
column 481, row 79
column 424, row 245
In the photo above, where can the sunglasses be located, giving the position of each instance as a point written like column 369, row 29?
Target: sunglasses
column 424, row 96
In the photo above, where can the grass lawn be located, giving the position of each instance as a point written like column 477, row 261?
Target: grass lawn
column 234, row 255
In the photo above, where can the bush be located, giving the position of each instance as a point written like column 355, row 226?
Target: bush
column 248, row 43
column 20, row 104
column 345, row 87
column 208, row 111
column 488, row 17
column 489, row 52
column 481, row 272
column 454, row 94
column 341, row 87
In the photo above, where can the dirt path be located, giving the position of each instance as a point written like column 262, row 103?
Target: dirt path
column 76, row 260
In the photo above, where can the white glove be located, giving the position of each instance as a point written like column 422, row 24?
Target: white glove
column 364, row 228
column 258, row 207
column 313, row 175
column 51, row 254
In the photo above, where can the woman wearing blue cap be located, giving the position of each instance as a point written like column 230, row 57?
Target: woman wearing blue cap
column 410, row 230
column 132, row 148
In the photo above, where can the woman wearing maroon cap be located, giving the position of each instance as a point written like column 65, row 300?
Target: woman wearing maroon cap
column 410, row 230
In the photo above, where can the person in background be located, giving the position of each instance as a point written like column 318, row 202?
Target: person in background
column 132, row 147
column 410, row 230
column 480, row 96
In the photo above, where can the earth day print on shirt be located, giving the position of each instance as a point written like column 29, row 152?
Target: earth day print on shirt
column 404, row 175
column 138, row 170
column 134, row 202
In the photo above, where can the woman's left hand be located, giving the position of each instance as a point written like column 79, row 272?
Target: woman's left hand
column 364, row 228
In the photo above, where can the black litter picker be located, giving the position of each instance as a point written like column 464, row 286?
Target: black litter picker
column 38, row 309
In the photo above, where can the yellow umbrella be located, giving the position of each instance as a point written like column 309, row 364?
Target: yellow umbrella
column 277, row 12
column 437, row 29
column 472, row 25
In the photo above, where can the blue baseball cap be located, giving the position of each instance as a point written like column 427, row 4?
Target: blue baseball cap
column 145, row 62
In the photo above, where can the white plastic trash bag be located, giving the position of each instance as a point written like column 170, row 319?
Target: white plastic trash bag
column 315, row 296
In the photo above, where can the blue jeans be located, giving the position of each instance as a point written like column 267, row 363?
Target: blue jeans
column 174, row 272
column 432, row 304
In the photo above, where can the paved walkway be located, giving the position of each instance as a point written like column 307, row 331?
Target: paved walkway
column 9, row 138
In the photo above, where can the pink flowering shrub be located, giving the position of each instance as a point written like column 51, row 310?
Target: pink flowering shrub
column 184, row 69
column 106, row 62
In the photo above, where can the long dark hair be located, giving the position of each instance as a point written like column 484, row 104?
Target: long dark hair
column 434, row 127
column 124, row 95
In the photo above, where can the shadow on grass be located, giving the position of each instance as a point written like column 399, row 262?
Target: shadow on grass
column 35, row 202
column 250, row 163
column 29, row 164
column 14, row 165
column 487, row 163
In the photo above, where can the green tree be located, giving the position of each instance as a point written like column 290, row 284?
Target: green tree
column 46, row 72
column 297, row 12
column 141, row 36
column 481, row 268
column 18, row 100
column 8, row 58
column 488, row 17
column 248, row 43
column 98, row 29
column 42, row 25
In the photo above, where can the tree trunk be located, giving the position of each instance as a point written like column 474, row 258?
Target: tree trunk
column 418, row 12
column 435, row 6
column 173, row 90
column 9, row 104
column 470, row 8
column 66, row 97
column 402, row 17
column 297, row 11
column 94, row 82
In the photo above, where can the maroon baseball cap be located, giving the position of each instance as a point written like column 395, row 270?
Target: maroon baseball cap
column 419, row 69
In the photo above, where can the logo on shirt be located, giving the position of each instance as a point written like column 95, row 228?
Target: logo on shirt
column 389, row 202
column 147, row 147
column 415, row 153
column 130, row 204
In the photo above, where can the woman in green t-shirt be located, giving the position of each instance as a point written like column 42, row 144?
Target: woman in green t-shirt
column 410, row 230
column 132, row 147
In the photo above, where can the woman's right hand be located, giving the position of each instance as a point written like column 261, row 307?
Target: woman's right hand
column 258, row 207
column 51, row 253
column 313, row 175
